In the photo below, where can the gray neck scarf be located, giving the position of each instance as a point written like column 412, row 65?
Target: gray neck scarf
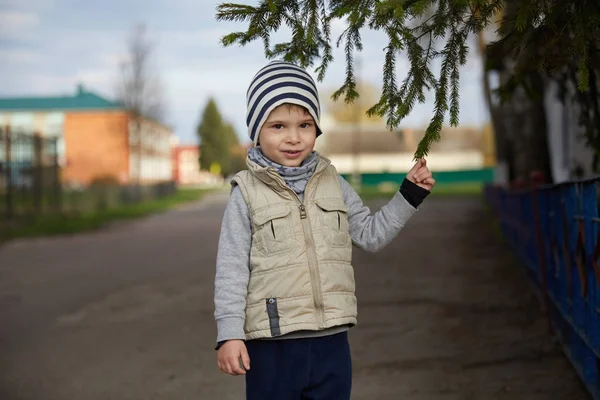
column 295, row 177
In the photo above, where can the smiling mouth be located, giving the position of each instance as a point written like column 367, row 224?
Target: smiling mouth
column 292, row 151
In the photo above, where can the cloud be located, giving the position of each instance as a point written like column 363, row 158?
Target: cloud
column 16, row 24
column 98, row 79
column 41, row 84
column 19, row 56
column 112, row 59
column 194, row 38
column 37, row 5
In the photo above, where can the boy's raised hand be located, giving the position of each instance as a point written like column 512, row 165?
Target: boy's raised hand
column 420, row 175
column 228, row 357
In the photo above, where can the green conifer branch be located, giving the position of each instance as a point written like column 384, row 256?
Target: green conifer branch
column 413, row 29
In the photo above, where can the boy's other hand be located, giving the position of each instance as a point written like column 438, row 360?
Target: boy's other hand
column 420, row 175
column 228, row 357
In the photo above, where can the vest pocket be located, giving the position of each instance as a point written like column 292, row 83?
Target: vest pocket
column 273, row 229
column 334, row 219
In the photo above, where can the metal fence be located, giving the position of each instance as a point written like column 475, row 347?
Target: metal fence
column 30, row 182
column 29, row 174
column 554, row 231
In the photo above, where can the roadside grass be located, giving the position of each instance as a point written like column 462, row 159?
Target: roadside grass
column 57, row 224
column 463, row 189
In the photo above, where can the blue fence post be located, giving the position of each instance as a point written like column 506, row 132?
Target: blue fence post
column 547, row 235
column 539, row 210
column 562, row 251
column 578, row 278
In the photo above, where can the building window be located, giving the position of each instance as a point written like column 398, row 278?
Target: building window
column 54, row 123
column 22, row 122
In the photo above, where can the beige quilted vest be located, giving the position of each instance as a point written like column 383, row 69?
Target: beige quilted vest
column 301, row 277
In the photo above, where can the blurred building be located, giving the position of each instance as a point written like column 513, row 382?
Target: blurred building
column 186, row 167
column 97, row 138
column 571, row 157
column 372, row 148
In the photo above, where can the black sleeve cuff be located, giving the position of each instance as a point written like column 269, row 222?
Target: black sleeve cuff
column 219, row 344
column 413, row 193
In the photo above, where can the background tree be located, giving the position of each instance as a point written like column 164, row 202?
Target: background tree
column 238, row 158
column 218, row 139
column 519, row 124
column 541, row 43
column 139, row 88
column 231, row 138
column 232, row 142
column 356, row 111
column 535, row 33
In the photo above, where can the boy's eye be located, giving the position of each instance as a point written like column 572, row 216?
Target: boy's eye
column 278, row 126
column 306, row 125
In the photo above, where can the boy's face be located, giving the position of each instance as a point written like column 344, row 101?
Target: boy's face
column 288, row 136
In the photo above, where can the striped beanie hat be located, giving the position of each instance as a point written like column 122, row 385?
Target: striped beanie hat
column 277, row 83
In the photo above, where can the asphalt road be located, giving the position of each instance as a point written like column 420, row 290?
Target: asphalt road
column 126, row 313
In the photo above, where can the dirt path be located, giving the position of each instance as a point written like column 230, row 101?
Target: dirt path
column 127, row 314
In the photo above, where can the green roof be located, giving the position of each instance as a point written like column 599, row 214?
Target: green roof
column 83, row 100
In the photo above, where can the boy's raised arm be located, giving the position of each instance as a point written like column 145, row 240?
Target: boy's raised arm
column 372, row 232
column 232, row 272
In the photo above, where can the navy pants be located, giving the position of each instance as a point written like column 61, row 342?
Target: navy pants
column 300, row 369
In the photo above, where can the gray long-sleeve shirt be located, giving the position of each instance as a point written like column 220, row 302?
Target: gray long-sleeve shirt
column 370, row 232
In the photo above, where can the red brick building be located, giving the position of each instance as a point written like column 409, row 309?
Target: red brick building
column 97, row 137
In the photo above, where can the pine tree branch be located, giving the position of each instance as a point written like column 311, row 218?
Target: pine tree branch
column 405, row 22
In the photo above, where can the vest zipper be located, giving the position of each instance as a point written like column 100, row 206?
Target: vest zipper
column 302, row 211
column 311, row 253
column 313, row 267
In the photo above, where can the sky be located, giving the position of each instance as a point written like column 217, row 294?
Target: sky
column 47, row 47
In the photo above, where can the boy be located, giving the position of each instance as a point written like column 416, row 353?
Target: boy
column 284, row 285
